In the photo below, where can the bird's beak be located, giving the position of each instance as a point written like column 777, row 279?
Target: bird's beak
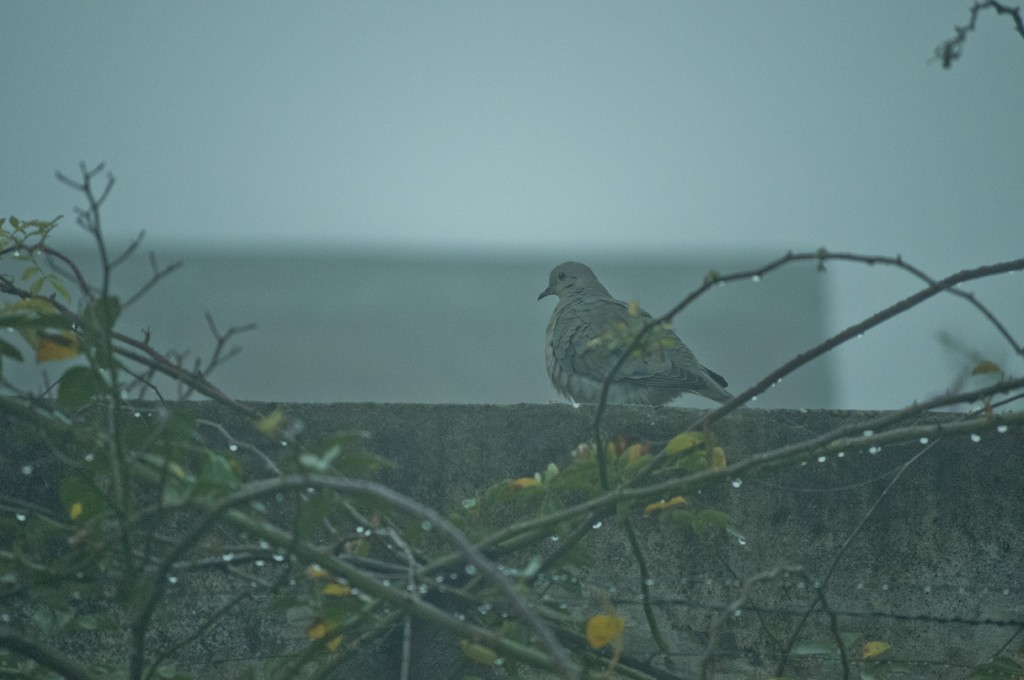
column 547, row 291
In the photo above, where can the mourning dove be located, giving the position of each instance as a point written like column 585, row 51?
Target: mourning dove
column 588, row 332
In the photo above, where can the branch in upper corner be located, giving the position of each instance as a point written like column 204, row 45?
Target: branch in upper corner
column 950, row 50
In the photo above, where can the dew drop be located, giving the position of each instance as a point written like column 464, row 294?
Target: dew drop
column 264, row 545
column 868, row 433
column 975, row 438
column 1002, row 429
column 923, row 440
column 284, row 443
column 469, row 503
column 26, row 469
column 227, row 557
column 423, row 589
column 90, row 457
column 232, row 447
column 426, row 525
column 553, row 538
column 649, row 582
column 822, row 459
column 841, row 454
column 20, row 516
column 756, row 278
column 386, row 583
column 742, row 540
column 471, row 569
column 874, row 449
column 597, row 525
column 737, row 483
column 172, row 579
column 137, row 414
column 260, row 563
column 737, row 613
column 278, row 557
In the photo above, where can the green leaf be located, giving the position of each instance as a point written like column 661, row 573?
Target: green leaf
column 216, row 476
column 81, row 490
column 101, row 314
column 319, row 505
column 60, row 289
column 9, row 350
column 695, row 462
column 78, row 386
column 714, row 518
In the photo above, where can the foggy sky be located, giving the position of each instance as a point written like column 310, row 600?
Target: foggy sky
column 561, row 128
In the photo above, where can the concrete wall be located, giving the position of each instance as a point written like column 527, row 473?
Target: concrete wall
column 942, row 551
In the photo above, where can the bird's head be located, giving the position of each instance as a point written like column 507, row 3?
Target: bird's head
column 572, row 278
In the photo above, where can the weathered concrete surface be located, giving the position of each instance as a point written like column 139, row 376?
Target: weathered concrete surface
column 942, row 550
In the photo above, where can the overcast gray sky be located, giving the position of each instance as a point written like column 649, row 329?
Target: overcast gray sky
column 562, row 127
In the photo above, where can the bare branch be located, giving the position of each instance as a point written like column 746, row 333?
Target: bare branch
column 952, row 49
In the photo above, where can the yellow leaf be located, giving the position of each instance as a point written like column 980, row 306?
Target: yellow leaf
column 316, row 571
column 76, row 510
column 873, row 648
column 317, row 630
column 986, row 367
column 718, row 458
column 523, row 483
column 636, row 451
column 604, row 629
column 334, row 643
column 478, row 652
column 56, row 346
column 270, row 424
column 336, row 589
column 664, row 505
column 683, row 441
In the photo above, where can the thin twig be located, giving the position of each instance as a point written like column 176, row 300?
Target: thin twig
column 842, row 551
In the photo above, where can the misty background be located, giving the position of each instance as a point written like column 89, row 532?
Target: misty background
column 383, row 187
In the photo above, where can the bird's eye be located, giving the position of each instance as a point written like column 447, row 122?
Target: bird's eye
column 561, row 275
